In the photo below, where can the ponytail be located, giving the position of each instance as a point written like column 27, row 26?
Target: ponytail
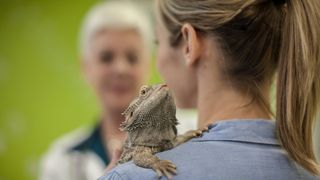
column 298, row 89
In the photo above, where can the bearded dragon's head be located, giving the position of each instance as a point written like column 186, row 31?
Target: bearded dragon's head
column 153, row 106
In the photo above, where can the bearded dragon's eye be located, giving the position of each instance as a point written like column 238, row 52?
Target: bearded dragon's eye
column 143, row 90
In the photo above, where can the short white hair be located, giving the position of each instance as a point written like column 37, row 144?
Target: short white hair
column 115, row 14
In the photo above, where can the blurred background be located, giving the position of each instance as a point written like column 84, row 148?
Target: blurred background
column 42, row 92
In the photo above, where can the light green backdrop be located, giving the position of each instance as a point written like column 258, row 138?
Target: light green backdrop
column 42, row 93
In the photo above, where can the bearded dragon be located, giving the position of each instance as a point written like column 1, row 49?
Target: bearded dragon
column 150, row 123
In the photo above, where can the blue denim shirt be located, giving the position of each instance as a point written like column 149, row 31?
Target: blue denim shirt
column 232, row 149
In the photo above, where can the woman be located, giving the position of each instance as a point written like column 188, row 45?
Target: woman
column 224, row 55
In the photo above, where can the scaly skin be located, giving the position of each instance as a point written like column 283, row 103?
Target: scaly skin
column 151, row 127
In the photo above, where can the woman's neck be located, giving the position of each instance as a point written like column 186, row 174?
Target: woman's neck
column 221, row 101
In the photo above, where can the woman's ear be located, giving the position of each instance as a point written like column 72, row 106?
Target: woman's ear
column 192, row 47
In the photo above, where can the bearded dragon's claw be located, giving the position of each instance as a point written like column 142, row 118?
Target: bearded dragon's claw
column 165, row 168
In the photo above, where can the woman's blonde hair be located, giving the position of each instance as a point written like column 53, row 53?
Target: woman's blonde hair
column 260, row 38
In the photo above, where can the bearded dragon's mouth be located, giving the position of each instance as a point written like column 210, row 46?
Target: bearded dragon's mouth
column 162, row 86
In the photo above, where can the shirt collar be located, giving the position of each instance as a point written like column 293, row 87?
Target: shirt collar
column 93, row 143
column 260, row 131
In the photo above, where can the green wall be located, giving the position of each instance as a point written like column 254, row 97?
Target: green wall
column 42, row 93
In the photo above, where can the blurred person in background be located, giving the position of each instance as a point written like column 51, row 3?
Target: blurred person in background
column 115, row 47
column 115, row 50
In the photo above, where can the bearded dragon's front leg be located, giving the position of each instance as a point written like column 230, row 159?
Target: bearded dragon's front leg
column 126, row 155
column 144, row 157
column 188, row 135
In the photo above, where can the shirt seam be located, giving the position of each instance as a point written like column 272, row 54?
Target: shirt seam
column 230, row 140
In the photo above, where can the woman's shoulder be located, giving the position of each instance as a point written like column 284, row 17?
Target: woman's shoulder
column 229, row 150
column 130, row 171
column 196, row 161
